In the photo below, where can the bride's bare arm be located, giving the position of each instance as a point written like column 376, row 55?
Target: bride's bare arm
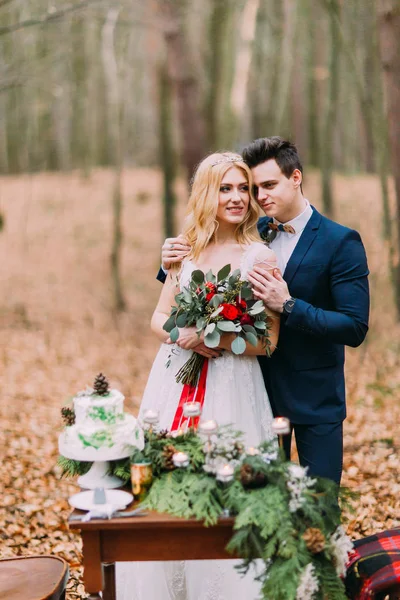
column 163, row 308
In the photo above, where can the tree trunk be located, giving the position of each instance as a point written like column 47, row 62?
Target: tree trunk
column 332, row 96
column 167, row 154
column 219, row 49
column 312, row 120
column 61, row 109
column 185, row 85
column 290, row 20
column 92, row 100
column 113, row 101
column 389, row 29
column 239, row 90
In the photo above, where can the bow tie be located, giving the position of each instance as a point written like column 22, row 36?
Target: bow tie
column 273, row 230
column 280, row 227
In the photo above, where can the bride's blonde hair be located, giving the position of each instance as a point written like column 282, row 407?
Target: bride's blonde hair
column 200, row 224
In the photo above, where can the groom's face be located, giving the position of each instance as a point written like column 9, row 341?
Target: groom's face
column 275, row 193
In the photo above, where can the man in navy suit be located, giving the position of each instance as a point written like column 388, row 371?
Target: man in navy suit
column 323, row 299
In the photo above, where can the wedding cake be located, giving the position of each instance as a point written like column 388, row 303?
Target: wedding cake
column 97, row 428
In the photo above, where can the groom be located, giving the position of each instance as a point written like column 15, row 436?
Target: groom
column 323, row 299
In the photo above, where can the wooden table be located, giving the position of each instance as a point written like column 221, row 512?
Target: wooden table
column 152, row 537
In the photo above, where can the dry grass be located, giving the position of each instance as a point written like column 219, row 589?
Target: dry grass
column 58, row 329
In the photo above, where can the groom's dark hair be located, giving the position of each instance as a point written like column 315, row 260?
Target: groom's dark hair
column 275, row 147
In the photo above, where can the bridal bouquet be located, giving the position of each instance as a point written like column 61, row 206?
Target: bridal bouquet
column 217, row 305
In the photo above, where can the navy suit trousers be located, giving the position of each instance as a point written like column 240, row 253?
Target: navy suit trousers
column 320, row 448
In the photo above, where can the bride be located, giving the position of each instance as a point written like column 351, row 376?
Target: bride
column 220, row 227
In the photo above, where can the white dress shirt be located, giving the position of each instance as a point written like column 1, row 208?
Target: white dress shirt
column 284, row 243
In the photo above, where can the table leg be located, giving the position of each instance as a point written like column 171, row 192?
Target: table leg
column 92, row 571
column 109, row 591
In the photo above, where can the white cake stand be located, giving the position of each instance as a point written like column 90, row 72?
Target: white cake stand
column 98, row 474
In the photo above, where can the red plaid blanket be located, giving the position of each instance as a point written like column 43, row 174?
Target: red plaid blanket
column 373, row 569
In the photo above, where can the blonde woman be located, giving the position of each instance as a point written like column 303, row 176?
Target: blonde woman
column 221, row 229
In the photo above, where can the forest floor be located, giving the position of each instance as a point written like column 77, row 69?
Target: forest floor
column 58, row 329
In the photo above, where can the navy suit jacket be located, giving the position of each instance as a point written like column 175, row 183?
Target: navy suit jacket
column 328, row 275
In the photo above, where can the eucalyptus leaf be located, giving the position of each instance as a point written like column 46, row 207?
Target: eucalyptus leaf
column 246, row 293
column 211, row 277
column 187, row 296
column 181, row 320
column 260, row 325
column 238, row 346
column 209, row 329
column 174, row 334
column 216, row 312
column 169, row 323
column 251, row 338
column 257, row 308
column 226, row 326
column 250, row 329
column 200, row 323
column 216, row 300
column 212, row 340
column 234, row 277
column 224, row 272
column 198, row 277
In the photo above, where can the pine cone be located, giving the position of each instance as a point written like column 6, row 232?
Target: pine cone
column 168, row 452
column 246, row 475
column 163, row 434
column 101, row 385
column 314, row 539
column 251, row 478
column 68, row 415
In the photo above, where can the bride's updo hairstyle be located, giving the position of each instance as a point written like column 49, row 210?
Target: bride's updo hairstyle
column 201, row 224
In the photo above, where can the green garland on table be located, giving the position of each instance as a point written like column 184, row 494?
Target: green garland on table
column 289, row 520
column 284, row 517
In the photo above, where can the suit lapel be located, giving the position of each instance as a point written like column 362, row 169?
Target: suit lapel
column 304, row 243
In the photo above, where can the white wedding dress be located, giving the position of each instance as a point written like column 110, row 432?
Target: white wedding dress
column 235, row 394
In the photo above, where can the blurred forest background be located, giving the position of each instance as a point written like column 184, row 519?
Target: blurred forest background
column 105, row 109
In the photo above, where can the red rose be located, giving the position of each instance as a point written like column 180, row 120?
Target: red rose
column 210, row 286
column 241, row 304
column 229, row 311
column 209, row 296
column 247, row 320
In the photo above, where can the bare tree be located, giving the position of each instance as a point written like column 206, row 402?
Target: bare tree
column 114, row 128
column 331, row 100
column 167, row 151
column 185, row 84
column 389, row 29
column 239, row 91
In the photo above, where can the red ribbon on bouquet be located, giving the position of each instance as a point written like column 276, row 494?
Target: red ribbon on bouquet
column 191, row 393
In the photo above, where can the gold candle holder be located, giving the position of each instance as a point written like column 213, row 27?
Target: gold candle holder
column 141, row 478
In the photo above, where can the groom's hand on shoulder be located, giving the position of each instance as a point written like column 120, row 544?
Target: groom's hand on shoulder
column 173, row 251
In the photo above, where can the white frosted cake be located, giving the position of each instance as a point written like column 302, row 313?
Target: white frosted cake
column 97, row 427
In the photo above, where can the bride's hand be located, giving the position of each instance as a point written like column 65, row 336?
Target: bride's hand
column 188, row 338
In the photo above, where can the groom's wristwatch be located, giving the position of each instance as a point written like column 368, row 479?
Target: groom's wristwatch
column 288, row 306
